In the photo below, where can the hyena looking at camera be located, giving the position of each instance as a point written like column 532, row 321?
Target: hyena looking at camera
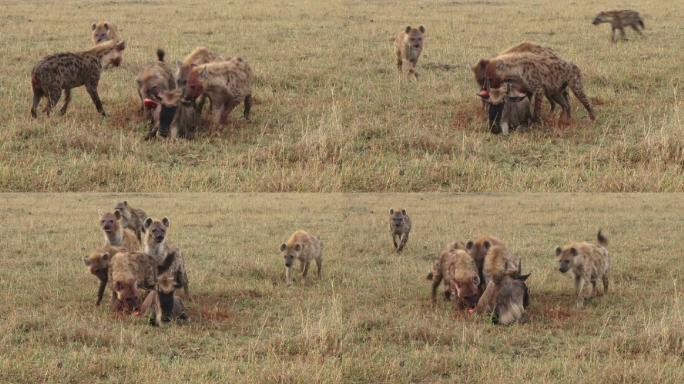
column 619, row 20
column 63, row 71
column 167, row 255
column 103, row 31
column 305, row 248
column 408, row 45
column 400, row 227
column 588, row 263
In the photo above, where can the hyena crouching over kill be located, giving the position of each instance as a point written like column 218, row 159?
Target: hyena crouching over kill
column 63, row 71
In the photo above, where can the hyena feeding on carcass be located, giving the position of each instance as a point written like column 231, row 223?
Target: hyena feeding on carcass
column 64, row 71
column 172, row 116
column 619, row 20
column 155, row 78
column 198, row 56
column 458, row 271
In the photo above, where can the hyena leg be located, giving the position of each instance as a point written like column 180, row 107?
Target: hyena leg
column 319, row 267
column 612, row 34
column 402, row 244
column 305, row 271
column 593, row 288
column 92, row 91
column 288, row 275
column 248, row 107
column 67, row 100
column 622, row 33
column 200, row 106
column 400, row 64
column 435, row 284
column 538, row 97
column 394, row 240
column 226, row 110
column 578, row 90
column 53, row 99
column 412, row 70
column 634, row 27
column 37, row 95
column 579, row 285
column 605, row 283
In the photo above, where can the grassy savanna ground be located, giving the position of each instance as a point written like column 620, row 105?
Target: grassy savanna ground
column 330, row 114
column 369, row 318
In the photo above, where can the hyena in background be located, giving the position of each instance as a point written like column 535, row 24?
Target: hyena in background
column 305, row 248
column 103, row 31
column 588, row 263
column 129, row 272
column 619, row 20
column 400, row 227
column 225, row 83
column 98, row 263
column 131, row 218
column 408, row 45
column 168, row 256
column 155, row 78
column 115, row 234
column 63, row 71
column 538, row 75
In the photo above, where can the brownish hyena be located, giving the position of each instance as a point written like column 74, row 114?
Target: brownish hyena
column 129, row 272
column 439, row 268
column 64, row 71
column 155, row 78
column 505, row 299
column 478, row 250
column 499, row 260
column 115, row 234
column 98, row 263
column 408, row 45
column 538, row 75
column 305, row 248
column 198, row 56
column 167, row 255
column 457, row 269
column 163, row 304
column 588, row 263
column 618, row 20
column 400, row 227
column 131, row 218
column 225, row 83
column 103, row 31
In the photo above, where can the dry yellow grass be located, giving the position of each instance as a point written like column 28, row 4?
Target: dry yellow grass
column 369, row 319
column 330, row 114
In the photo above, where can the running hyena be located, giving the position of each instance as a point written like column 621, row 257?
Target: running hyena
column 619, row 20
column 408, row 45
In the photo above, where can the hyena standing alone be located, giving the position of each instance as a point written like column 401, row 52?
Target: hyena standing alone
column 400, row 226
column 588, row 263
column 619, row 20
column 63, row 71
column 408, row 45
column 305, row 248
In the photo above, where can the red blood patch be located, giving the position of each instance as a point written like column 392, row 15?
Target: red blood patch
column 483, row 93
column 150, row 104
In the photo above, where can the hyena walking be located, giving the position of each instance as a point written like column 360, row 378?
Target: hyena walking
column 305, row 248
column 63, row 71
column 618, row 20
column 408, row 45
column 588, row 263
column 400, row 226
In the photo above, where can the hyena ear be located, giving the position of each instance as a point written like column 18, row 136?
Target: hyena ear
column 205, row 73
column 469, row 245
column 106, row 25
column 403, row 212
column 93, row 26
column 573, row 251
column 120, row 46
column 558, row 251
column 421, row 29
column 147, row 222
column 117, row 214
column 391, row 211
column 487, row 244
column 106, row 256
column 165, row 221
column 298, row 247
column 283, row 247
column 408, row 29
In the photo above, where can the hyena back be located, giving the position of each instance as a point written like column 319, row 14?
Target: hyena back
column 64, row 71
column 619, row 19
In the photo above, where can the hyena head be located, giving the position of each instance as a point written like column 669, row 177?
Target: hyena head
column 113, row 57
column 109, row 222
column 290, row 253
column 566, row 258
column 155, row 230
column 397, row 218
column 100, row 31
column 505, row 96
column 478, row 249
column 98, row 261
column 600, row 18
column 122, row 208
column 466, row 287
column 479, row 71
column 194, row 87
column 414, row 38
column 127, row 293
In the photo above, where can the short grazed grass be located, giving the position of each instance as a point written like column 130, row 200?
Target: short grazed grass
column 369, row 319
column 330, row 114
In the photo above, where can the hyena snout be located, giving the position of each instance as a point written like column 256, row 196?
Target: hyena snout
column 564, row 266
column 289, row 260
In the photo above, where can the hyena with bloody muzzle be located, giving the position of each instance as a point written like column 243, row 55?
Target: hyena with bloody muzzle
column 408, row 46
column 103, row 31
column 64, row 71
column 155, row 78
column 457, row 270
column 400, row 227
column 172, row 116
column 226, row 83
column 538, row 75
column 130, row 272
column 199, row 56
column 166, row 254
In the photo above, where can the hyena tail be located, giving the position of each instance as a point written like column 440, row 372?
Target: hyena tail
column 602, row 240
column 578, row 90
column 160, row 54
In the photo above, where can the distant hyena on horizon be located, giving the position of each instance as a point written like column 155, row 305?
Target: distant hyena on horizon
column 408, row 45
column 618, row 20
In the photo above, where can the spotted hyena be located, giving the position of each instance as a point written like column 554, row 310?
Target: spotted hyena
column 303, row 247
column 98, row 263
column 400, row 227
column 130, row 272
column 559, row 97
column 64, row 71
column 538, row 75
column 226, row 83
column 166, row 254
column 199, row 56
column 587, row 262
column 619, row 20
column 408, row 45
column 131, row 218
column 460, row 277
column 103, row 31
column 155, row 78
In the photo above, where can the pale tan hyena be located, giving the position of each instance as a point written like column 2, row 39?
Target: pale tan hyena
column 618, row 20
column 439, row 269
column 226, row 83
column 408, row 45
column 168, row 256
column 539, row 76
column 478, row 251
column 400, row 227
column 103, row 31
column 98, row 263
column 115, row 234
column 588, row 263
column 499, row 260
column 457, row 269
column 305, row 248
column 155, row 78
column 198, row 56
